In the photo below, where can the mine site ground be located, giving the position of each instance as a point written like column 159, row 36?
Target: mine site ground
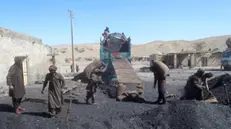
column 107, row 113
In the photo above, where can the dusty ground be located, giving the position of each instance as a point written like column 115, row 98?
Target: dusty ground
column 109, row 114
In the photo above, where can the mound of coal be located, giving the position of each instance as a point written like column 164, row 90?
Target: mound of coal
column 185, row 115
column 221, row 87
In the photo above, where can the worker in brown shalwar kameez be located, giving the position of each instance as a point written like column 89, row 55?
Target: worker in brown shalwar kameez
column 15, row 82
column 56, row 83
column 160, row 71
column 94, row 72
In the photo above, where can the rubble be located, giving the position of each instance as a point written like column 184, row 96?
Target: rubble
column 220, row 86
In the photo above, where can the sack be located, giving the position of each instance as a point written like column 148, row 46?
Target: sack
column 161, row 67
column 90, row 68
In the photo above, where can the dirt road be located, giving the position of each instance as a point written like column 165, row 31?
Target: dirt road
column 109, row 114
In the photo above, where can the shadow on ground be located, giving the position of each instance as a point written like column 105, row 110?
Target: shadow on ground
column 6, row 108
column 35, row 100
column 215, row 69
column 74, row 101
column 39, row 114
column 135, row 100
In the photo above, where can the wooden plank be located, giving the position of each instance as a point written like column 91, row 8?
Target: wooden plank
column 124, row 71
column 25, row 76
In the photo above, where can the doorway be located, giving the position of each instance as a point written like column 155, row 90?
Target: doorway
column 204, row 61
column 25, row 69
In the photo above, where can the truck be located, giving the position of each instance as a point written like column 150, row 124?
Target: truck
column 117, row 47
column 226, row 56
column 115, row 52
column 226, row 59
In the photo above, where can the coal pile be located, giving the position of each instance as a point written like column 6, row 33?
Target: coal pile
column 185, row 115
column 220, row 86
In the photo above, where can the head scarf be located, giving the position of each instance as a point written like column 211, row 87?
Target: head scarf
column 17, row 59
column 52, row 67
column 200, row 72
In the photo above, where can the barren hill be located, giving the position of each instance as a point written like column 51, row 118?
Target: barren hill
column 161, row 47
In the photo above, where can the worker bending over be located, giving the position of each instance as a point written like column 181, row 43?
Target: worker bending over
column 160, row 71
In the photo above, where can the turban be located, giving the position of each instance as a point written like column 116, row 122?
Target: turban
column 17, row 59
column 200, row 71
column 53, row 67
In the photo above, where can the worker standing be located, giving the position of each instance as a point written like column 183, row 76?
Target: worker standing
column 55, row 96
column 16, row 84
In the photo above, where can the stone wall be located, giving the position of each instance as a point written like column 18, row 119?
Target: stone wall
column 17, row 44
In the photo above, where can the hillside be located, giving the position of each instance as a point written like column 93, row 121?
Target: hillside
column 161, row 47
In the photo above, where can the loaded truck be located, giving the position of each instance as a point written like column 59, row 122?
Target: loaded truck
column 114, row 48
column 115, row 52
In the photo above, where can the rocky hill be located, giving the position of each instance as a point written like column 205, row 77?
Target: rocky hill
column 161, row 47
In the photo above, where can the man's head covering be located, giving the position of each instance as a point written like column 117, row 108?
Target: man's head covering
column 53, row 67
column 200, row 72
column 17, row 59
column 228, row 42
column 107, row 29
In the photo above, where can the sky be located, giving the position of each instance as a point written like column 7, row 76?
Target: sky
column 142, row 20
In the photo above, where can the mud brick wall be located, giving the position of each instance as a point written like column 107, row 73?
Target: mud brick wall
column 18, row 44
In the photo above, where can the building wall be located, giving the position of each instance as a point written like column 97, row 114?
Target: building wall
column 17, row 44
column 183, row 59
column 213, row 60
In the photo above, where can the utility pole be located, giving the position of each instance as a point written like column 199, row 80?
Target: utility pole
column 53, row 54
column 72, row 42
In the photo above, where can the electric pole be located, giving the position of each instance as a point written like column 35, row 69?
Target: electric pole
column 72, row 42
column 53, row 54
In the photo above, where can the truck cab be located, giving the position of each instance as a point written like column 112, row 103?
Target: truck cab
column 226, row 59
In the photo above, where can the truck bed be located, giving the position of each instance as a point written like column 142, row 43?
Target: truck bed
column 124, row 71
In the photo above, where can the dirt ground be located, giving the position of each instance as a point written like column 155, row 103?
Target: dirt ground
column 110, row 114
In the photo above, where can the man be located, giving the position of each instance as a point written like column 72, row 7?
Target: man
column 77, row 68
column 71, row 67
column 194, row 86
column 15, row 82
column 160, row 71
column 106, row 31
column 55, row 97
column 205, row 78
column 93, row 72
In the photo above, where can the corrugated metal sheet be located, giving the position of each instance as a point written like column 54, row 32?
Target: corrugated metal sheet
column 125, row 72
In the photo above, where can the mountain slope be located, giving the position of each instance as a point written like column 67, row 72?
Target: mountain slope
column 160, row 47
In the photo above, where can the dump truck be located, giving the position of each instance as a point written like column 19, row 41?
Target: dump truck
column 115, row 52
